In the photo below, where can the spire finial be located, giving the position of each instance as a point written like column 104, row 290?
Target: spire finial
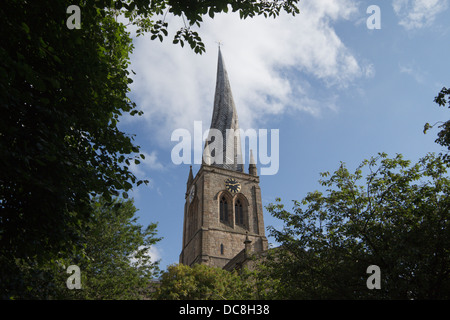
column 206, row 155
column 252, row 165
column 190, row 177
column 252, row 159
column 247, row 244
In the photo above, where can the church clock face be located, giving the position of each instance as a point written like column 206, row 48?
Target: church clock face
column 191, row 193
column 232, row 185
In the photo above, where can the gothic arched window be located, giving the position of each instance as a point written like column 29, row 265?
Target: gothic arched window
column 223, row 210
column 239, row 213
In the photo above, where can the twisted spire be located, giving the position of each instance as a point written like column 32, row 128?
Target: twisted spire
column 225, row 117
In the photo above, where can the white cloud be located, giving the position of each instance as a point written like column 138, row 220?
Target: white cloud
column 153, row 253
column 150, row 162
column 269, row 62
column 416, row 14
column 414, row 71
column 143, row 170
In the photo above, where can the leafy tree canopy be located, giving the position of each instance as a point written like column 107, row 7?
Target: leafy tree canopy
column 387, row 213
column 444, row 135
column 150, row 16
column 201, row 282
column 112, row 252
column 62, row 93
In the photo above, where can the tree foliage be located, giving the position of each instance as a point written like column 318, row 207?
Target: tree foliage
column 444, row 135
column 150, row 16
column 113, row 254
column 201, row 282
column 62, row 93
column 396, row 217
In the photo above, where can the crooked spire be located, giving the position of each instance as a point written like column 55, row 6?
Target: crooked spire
column 225, row 117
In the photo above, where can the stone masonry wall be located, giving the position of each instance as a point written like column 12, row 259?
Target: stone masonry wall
column 205, row 244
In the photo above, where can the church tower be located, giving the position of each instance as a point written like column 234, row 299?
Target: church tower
column 223, row 216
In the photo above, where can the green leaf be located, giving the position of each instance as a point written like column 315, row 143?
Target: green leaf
column 25, row 27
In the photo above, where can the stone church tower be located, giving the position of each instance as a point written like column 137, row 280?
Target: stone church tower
column 223, row 216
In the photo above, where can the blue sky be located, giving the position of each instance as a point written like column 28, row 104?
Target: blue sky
column 336, row 91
